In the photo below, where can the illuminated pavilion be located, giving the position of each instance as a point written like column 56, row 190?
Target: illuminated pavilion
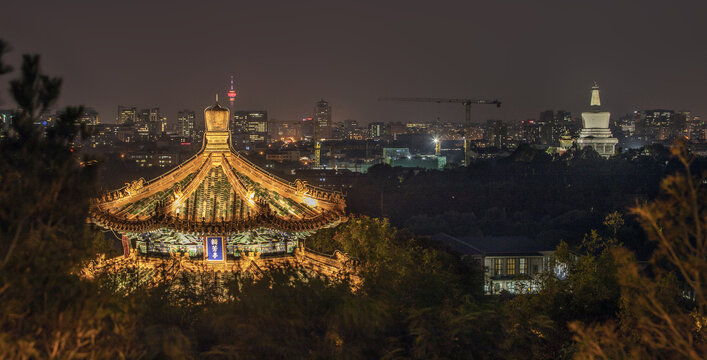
column 220, row 207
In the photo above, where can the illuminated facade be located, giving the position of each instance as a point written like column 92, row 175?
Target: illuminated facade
column 376, row 130
column 217, row 196
column 126, row 115
column 186, row 124
column 510, row 263
column 253, row 125
column 90, row 117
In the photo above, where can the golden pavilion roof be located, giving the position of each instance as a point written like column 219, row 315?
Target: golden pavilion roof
column 217, row 192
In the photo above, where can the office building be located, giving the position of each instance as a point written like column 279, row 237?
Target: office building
column 322, row 120
column 90, row 117
column 376, row 130
column 126, row 115
column 250, row 126
column 185, row 124
column 497, row 133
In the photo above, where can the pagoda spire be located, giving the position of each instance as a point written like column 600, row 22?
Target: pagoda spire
column 595, row 101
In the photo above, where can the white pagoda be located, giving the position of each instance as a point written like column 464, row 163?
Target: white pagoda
column 595, row 131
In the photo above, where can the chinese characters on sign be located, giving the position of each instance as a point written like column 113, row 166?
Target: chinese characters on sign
column 214, row 248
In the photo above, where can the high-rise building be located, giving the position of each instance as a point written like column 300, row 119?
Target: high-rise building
column 531, row 130
column 322, row 119
column 163, row 124
column 339, row 130
column 350, row 127
column 694, row 127
column 497, row 133
column 154, row 115
column 149, row 115
column 185, row 124
column 90, row 116
column 655, row 125
column 149, row 123
column 627, row 124
column 553, row 125
column 126, row 115
column 567, row 124
column 547, row 122
column 155, row 123
column 376, row 130
column 253, row 124
column 678, row 128
column 595, row 131
column 308, row 128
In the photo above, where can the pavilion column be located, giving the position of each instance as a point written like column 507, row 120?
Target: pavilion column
column 126, row 245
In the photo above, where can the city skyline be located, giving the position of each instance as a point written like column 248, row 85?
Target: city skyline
column 532, row 59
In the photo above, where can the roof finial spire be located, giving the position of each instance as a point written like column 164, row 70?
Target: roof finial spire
column 216, row 97
column 595, row 101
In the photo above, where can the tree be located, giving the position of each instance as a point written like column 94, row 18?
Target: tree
column 587, row 291
column 662, row 307
column 46, row 311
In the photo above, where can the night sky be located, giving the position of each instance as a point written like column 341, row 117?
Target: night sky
column 285, row 55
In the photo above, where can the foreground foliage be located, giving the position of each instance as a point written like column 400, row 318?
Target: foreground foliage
column 45, row 311
column 663, row 312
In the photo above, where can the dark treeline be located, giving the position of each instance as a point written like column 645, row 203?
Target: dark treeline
column 59, row 298
column 528, row 193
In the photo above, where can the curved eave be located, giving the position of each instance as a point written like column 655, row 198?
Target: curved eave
column 264, row 219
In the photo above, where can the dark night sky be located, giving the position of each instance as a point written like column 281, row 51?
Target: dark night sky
column 532, row 55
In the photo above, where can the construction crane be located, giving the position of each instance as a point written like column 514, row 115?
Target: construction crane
column 467, row 109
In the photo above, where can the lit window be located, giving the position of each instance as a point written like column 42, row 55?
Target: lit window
column 497, row 267
column 523, row 266
column 510, row 266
